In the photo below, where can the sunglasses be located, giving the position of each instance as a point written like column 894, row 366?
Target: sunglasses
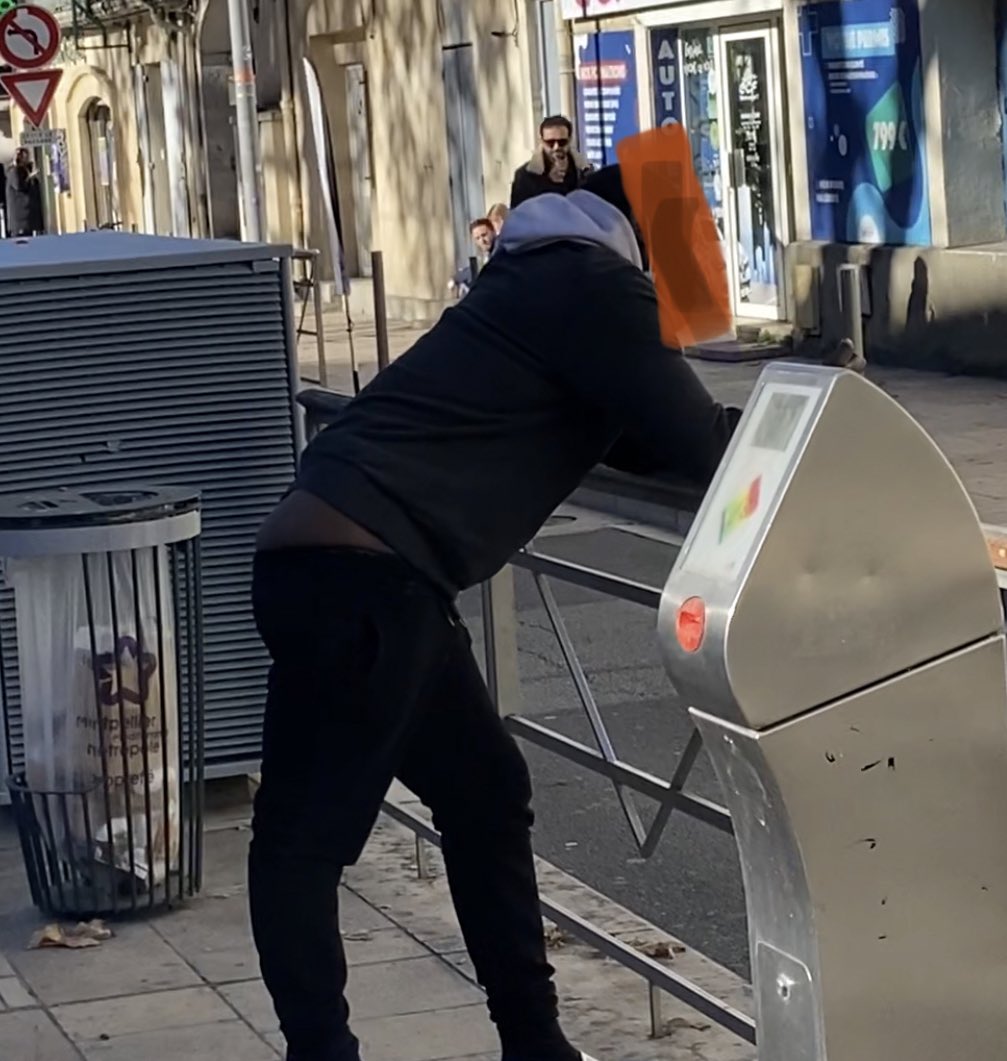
column 564, row 142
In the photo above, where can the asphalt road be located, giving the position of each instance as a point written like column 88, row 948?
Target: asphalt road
column 691, row 886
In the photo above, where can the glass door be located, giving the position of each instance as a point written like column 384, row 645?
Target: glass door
column 752, row 161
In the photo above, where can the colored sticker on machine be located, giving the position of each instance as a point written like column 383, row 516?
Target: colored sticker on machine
column 741, row 508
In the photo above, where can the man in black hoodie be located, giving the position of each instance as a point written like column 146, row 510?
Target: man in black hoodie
column 428, row 483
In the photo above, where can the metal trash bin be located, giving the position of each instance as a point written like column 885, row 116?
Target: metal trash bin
column 108, row 800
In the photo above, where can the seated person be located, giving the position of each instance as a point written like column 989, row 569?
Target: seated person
column 484, row 235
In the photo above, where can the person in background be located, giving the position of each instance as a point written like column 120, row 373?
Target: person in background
column 555, row 167
column 497, row 213
column 24, row 196
column 484, row 234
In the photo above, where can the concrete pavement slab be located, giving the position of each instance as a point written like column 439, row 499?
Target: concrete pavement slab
column 415, row 985
column 14, row 995
column 111, row 1018
column 366, row 947
column 430, row 1036
column 230, row 1041
column 32, row 1035
column 135, row 960
column 214, row 936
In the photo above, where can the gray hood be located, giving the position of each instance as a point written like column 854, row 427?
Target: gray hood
column 580, row 216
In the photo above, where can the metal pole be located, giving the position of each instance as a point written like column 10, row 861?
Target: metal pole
column 851, row 305
column 316, row 298
column 658, row 1029
column 246, row 122
column 499, row 614
column 380, row 309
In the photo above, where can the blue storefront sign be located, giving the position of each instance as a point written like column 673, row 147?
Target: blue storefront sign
column 666, row 76
column 607, row 98
column 863, row 100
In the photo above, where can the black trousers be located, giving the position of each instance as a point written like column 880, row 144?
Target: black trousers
column 373, row 678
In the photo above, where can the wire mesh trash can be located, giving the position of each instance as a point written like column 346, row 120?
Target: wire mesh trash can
column 108, row 605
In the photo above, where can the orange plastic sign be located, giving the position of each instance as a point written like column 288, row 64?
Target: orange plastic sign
column 680, row 235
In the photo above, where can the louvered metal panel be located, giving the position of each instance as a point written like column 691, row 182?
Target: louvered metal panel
column 129, row 358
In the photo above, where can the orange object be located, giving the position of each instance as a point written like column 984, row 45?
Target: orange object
column 680, row 235
column 690, row 624
column 997, row 542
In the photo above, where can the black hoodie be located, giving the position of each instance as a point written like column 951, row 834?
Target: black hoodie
column 457, row 453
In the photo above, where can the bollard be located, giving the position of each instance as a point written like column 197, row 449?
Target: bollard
column 503, row 679
column 851, row 306
column 658, row 1029
column 380, row 310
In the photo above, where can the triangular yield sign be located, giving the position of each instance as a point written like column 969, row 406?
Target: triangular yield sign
column 32, row 91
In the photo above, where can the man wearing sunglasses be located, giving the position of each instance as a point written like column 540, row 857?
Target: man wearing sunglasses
column 555, row 167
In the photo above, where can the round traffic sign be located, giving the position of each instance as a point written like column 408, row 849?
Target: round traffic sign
column 29, row 37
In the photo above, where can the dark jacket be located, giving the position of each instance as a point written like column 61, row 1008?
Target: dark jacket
column 533, row 179
column 24, row 201
column 458, row 452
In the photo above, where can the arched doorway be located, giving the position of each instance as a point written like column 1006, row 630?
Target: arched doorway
column 101, row 206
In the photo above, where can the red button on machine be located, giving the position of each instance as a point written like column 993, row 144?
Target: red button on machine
column 690, row 624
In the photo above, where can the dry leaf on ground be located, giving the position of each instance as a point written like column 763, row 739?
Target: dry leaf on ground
column 554, row 937
column 83, row 934
column 662, row 948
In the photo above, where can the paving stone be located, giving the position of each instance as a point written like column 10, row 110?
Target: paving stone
column 30, row 1035
column 135, row 960
column 215, row 938
column 112, row 1018
column 411, row 986
column 230, row 1041
column 357, row 916
column 367, row 947
column 423, row 1036
column 13, row 994
column 225, row 858
column 462, row 1031
column 251, row 999
column 414, row 985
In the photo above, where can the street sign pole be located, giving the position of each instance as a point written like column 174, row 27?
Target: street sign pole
column 246, row 123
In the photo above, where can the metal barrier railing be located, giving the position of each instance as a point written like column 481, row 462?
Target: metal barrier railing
column 628, row 780
column 660, row 510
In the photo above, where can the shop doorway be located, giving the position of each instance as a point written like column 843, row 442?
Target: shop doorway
column 101, row 206
column 732, row 108
column 464, row 141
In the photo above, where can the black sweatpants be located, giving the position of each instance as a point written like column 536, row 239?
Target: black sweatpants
column 373, row 678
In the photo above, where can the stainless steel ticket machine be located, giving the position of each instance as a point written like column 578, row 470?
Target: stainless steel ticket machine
column 834, row 621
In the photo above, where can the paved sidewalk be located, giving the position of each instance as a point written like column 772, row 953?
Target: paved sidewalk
column 184, row 986
column 967, row 416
